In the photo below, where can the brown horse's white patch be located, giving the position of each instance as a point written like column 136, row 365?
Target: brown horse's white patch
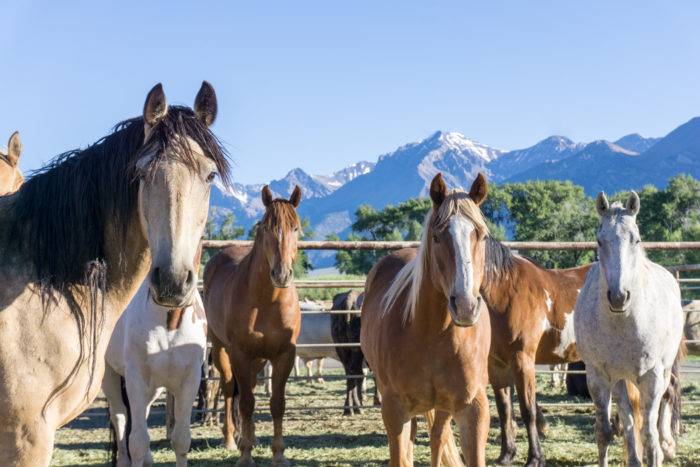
column 567, row 337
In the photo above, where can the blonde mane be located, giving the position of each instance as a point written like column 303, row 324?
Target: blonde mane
column 410, row 276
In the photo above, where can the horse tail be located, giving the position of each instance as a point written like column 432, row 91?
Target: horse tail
column 675, row 391
column 450, row 453
column 127, row 429
column 635, row 402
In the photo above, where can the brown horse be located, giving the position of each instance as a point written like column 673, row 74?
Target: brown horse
column 531, row 312
column 77, row 240
column 254, row 316
column 10, row 176
column 426, row 333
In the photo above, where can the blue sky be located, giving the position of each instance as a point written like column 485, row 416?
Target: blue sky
column 323, row 84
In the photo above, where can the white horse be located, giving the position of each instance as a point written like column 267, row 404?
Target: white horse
column 628, row 326
column 152, row 348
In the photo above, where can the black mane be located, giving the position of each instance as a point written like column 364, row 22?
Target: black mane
column 63, row 210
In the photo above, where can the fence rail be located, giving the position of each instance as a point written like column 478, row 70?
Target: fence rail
column 388, row 245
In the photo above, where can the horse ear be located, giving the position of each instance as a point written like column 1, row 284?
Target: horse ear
column 438, row 190
column 267, row 196
column 295, row 199
column 601, row 203
column 205, row 106
column 14, row 149
column 479, row 190
column 633, row 203
column 155, row 107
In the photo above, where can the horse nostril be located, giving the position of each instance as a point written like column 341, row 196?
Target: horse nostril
column 190, row 277
column 453, row 302
column 609, row 296
column 628, row 296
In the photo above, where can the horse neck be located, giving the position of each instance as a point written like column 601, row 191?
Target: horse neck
column 497, row 288
column 260, row 288
column 128, row 259
column 431, row 313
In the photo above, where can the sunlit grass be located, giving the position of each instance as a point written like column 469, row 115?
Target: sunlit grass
column 327, row 438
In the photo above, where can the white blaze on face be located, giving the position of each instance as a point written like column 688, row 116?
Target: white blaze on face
column 460, row 230
column 567, row 335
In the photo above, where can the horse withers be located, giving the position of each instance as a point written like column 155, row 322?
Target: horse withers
column 254, row 316
column 426, row 330
column 77, row 240
column 629, row 327
column 10, row 176
column 154, row 348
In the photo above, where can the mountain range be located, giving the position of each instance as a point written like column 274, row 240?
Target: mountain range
column 330, row 201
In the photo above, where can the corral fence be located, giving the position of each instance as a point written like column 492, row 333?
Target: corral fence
column 677, row 270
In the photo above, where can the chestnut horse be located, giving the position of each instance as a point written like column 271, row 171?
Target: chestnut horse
column 426, row 331
column 254, row 316
column 10, row 176
column 77, row 240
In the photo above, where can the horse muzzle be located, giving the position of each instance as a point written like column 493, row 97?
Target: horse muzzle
column 619, row 301
column 465, row 311
column 172, row 288
column 282, row 277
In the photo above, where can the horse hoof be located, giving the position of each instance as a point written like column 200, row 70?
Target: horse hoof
column 231, row 445
column 506, row 458
column 245, row 462
column 280, row 461
column 535, row 462
column 321, row 381
column 347, row 413
column 669, row 450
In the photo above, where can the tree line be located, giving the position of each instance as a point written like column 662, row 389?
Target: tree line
column 549, row 210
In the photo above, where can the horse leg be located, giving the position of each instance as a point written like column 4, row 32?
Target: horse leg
column 473, row 422
column 281, row 368
column 268, row 379
column 319, row 371
column 412, row 439
column 599, row 387
column 349, row 382
column 397, row 423
column 652, row 386
column 181, row 437
column 626, row 411
column 523, row 365
column 668, row 441
column 222, row 362
column 140, row 397
column 438, row 436
column 28, row 444
column 118, row 413
column 245, row 379
column 501, row 382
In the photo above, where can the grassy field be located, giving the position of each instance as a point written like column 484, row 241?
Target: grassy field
column 327, row 438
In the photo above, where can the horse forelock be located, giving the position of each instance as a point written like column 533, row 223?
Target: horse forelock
column 409, row 278
column 281, row 214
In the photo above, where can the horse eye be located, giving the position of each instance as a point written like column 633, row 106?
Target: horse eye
column 436, row 239
column 599, row 242
column 211, row 177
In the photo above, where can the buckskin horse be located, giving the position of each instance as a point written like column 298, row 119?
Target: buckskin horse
column 77, row 240
column 426, row 331
column 254, row 316
column 10, row 176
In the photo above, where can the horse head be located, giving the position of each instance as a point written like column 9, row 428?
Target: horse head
column 278, row 233
column 619, row 248
column 175, row 174
column 456, row 235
